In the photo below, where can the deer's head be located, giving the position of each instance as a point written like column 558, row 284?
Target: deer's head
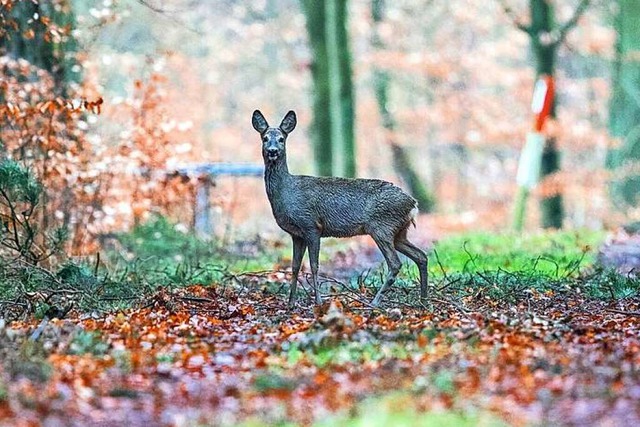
column 273, row 139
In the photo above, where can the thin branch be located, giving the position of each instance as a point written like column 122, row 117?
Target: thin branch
column 355, row 295
column 626, row 313
column 16, row 303
column 451, row 303
column 573, row 21
column 444, row 273
column 168, row 14
column 152, row 7
column 517, row 22
column 195, row 299
column 44, row 271
column 14, row 218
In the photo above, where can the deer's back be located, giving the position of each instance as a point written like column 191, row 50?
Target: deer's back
column 341, row 207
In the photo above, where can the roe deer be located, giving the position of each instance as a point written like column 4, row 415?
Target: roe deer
column 309, row 207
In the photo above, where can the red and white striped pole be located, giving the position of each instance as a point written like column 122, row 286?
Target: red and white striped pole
column 531, row 156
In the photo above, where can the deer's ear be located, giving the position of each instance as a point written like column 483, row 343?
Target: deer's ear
column 259, row 122
column 289, row 122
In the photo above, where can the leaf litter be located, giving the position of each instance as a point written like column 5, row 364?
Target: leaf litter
column 230, row 355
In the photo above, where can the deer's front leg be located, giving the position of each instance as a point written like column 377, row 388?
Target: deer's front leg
column 299, row 247
column 313, row 243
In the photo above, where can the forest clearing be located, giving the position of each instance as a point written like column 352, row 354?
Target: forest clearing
column 319, row 213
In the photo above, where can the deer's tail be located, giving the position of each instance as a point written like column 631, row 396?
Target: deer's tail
column 413, row 214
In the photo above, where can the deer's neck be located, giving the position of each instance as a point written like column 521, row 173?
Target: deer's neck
column 276, row 175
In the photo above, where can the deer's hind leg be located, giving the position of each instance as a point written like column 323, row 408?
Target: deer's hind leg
column 417, row 255
column 393, row 262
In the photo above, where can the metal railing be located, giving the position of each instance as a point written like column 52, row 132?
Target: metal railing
column 206, row 173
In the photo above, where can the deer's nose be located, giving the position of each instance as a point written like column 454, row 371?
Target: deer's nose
column 272, row 151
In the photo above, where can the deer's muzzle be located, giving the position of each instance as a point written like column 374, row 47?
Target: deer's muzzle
column 272, row 153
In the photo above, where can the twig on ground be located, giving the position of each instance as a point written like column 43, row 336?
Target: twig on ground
column 16, row 303
column 356, row 296
column 452, row 303
column 448, row 284
column 626, row 313
column 38, row 331
column 196, row 299
column 444, row 273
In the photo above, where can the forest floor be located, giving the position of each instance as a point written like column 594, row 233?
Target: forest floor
column 231, row 354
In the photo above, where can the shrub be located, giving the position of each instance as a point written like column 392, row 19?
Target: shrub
column 22, row 235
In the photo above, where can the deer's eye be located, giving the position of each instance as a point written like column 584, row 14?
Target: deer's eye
column 265, row 139
column 280, row 139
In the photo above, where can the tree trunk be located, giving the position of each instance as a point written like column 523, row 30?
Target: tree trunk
column 30, row 41
column 542, row 23
column 624, row 109
column 321, row 125
column 346, row 91
column 333, row 115
column 401, row 160
column 405, row 170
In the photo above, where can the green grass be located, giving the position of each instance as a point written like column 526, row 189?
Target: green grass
column 552, row 254
column 161, row 254
column 166, row 253
column 505, row 266
column 501, row 266
column 608, row 284
column 398, row 410
column 340, row 353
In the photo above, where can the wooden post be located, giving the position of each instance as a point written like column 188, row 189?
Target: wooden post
column 202, row 215
column 531, row 158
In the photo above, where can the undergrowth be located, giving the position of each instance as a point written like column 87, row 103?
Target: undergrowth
column 507, row 267
column 504, row 267
column 161, row 254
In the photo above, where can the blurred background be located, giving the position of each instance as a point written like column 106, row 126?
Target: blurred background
column 128, row 109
